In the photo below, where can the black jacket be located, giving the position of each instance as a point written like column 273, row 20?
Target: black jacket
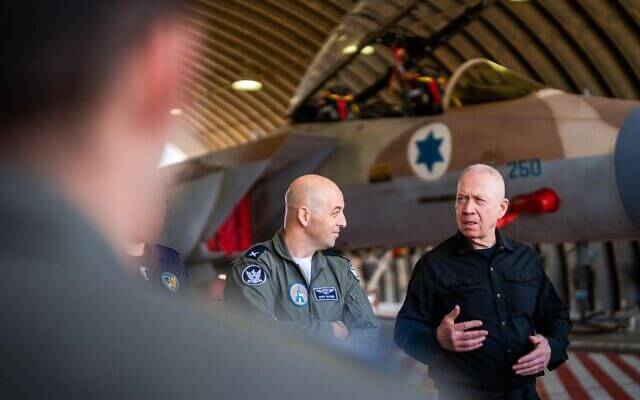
column 509, row 293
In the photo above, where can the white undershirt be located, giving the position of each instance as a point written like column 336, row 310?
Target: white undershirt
column 305, row 267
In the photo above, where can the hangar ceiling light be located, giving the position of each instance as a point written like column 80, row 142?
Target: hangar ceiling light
column 350, row 49
column 368, row 50
column 246, row 85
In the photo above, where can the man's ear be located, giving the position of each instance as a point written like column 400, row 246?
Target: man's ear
column 304, row 216
column 504, row 206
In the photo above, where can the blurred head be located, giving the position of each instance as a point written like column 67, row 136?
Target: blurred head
column 315, row 209
column 86, row 96
column 480, row 203
column 151, row 212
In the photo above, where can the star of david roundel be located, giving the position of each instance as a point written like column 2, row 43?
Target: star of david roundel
column 429, row 151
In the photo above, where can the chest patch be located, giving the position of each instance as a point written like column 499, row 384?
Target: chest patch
column 298, row 294
column 253, row 275
column 325, row 294
column 170, row 281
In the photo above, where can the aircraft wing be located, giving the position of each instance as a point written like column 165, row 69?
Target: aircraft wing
column 208, row 188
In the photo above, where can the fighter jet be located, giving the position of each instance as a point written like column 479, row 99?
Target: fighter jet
column 569, row 160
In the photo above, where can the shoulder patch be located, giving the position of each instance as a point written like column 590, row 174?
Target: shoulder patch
column 253, row 275
column 255, row 251
column 170, row 281
column 354, row 272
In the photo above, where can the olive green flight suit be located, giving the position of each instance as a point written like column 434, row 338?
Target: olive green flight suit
column 267, row 284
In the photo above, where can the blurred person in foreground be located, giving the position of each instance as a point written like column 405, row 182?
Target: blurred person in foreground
column 86, row 93
column 480, row 310
column 159, row 268
column 295, row 281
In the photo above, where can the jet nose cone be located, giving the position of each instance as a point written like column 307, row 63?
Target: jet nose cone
column 627, row 165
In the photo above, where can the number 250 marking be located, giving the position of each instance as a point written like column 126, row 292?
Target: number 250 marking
column 524, row 168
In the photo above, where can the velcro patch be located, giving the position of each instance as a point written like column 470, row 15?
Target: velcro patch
column 298, row 294
column 253, row 275
column 354, row 272
column 170, row 281
column 255, row 251
column 325, row 294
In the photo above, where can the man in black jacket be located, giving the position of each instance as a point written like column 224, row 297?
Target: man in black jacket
column 479, row 309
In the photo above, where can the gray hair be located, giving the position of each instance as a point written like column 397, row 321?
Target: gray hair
column 485, row 169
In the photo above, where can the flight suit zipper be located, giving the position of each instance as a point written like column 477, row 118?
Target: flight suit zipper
column 308, row 286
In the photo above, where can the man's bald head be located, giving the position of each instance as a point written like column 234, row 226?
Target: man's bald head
column 309, row 191
column 314, row 211
column 489, row 172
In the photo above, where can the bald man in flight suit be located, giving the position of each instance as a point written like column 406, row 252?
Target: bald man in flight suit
column 295, row 281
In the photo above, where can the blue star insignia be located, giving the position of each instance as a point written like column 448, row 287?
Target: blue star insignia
column 429, row 151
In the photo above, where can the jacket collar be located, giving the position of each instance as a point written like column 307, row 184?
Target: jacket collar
column 318, row 262
column 463, row 246
column 280, row 246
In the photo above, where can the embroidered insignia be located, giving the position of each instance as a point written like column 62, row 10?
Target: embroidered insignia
column 170, row 281
column 145, row 272
column 255, row 251
column 325, row 294
column 253, row 275
column 354, row 272
column 298, row 294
